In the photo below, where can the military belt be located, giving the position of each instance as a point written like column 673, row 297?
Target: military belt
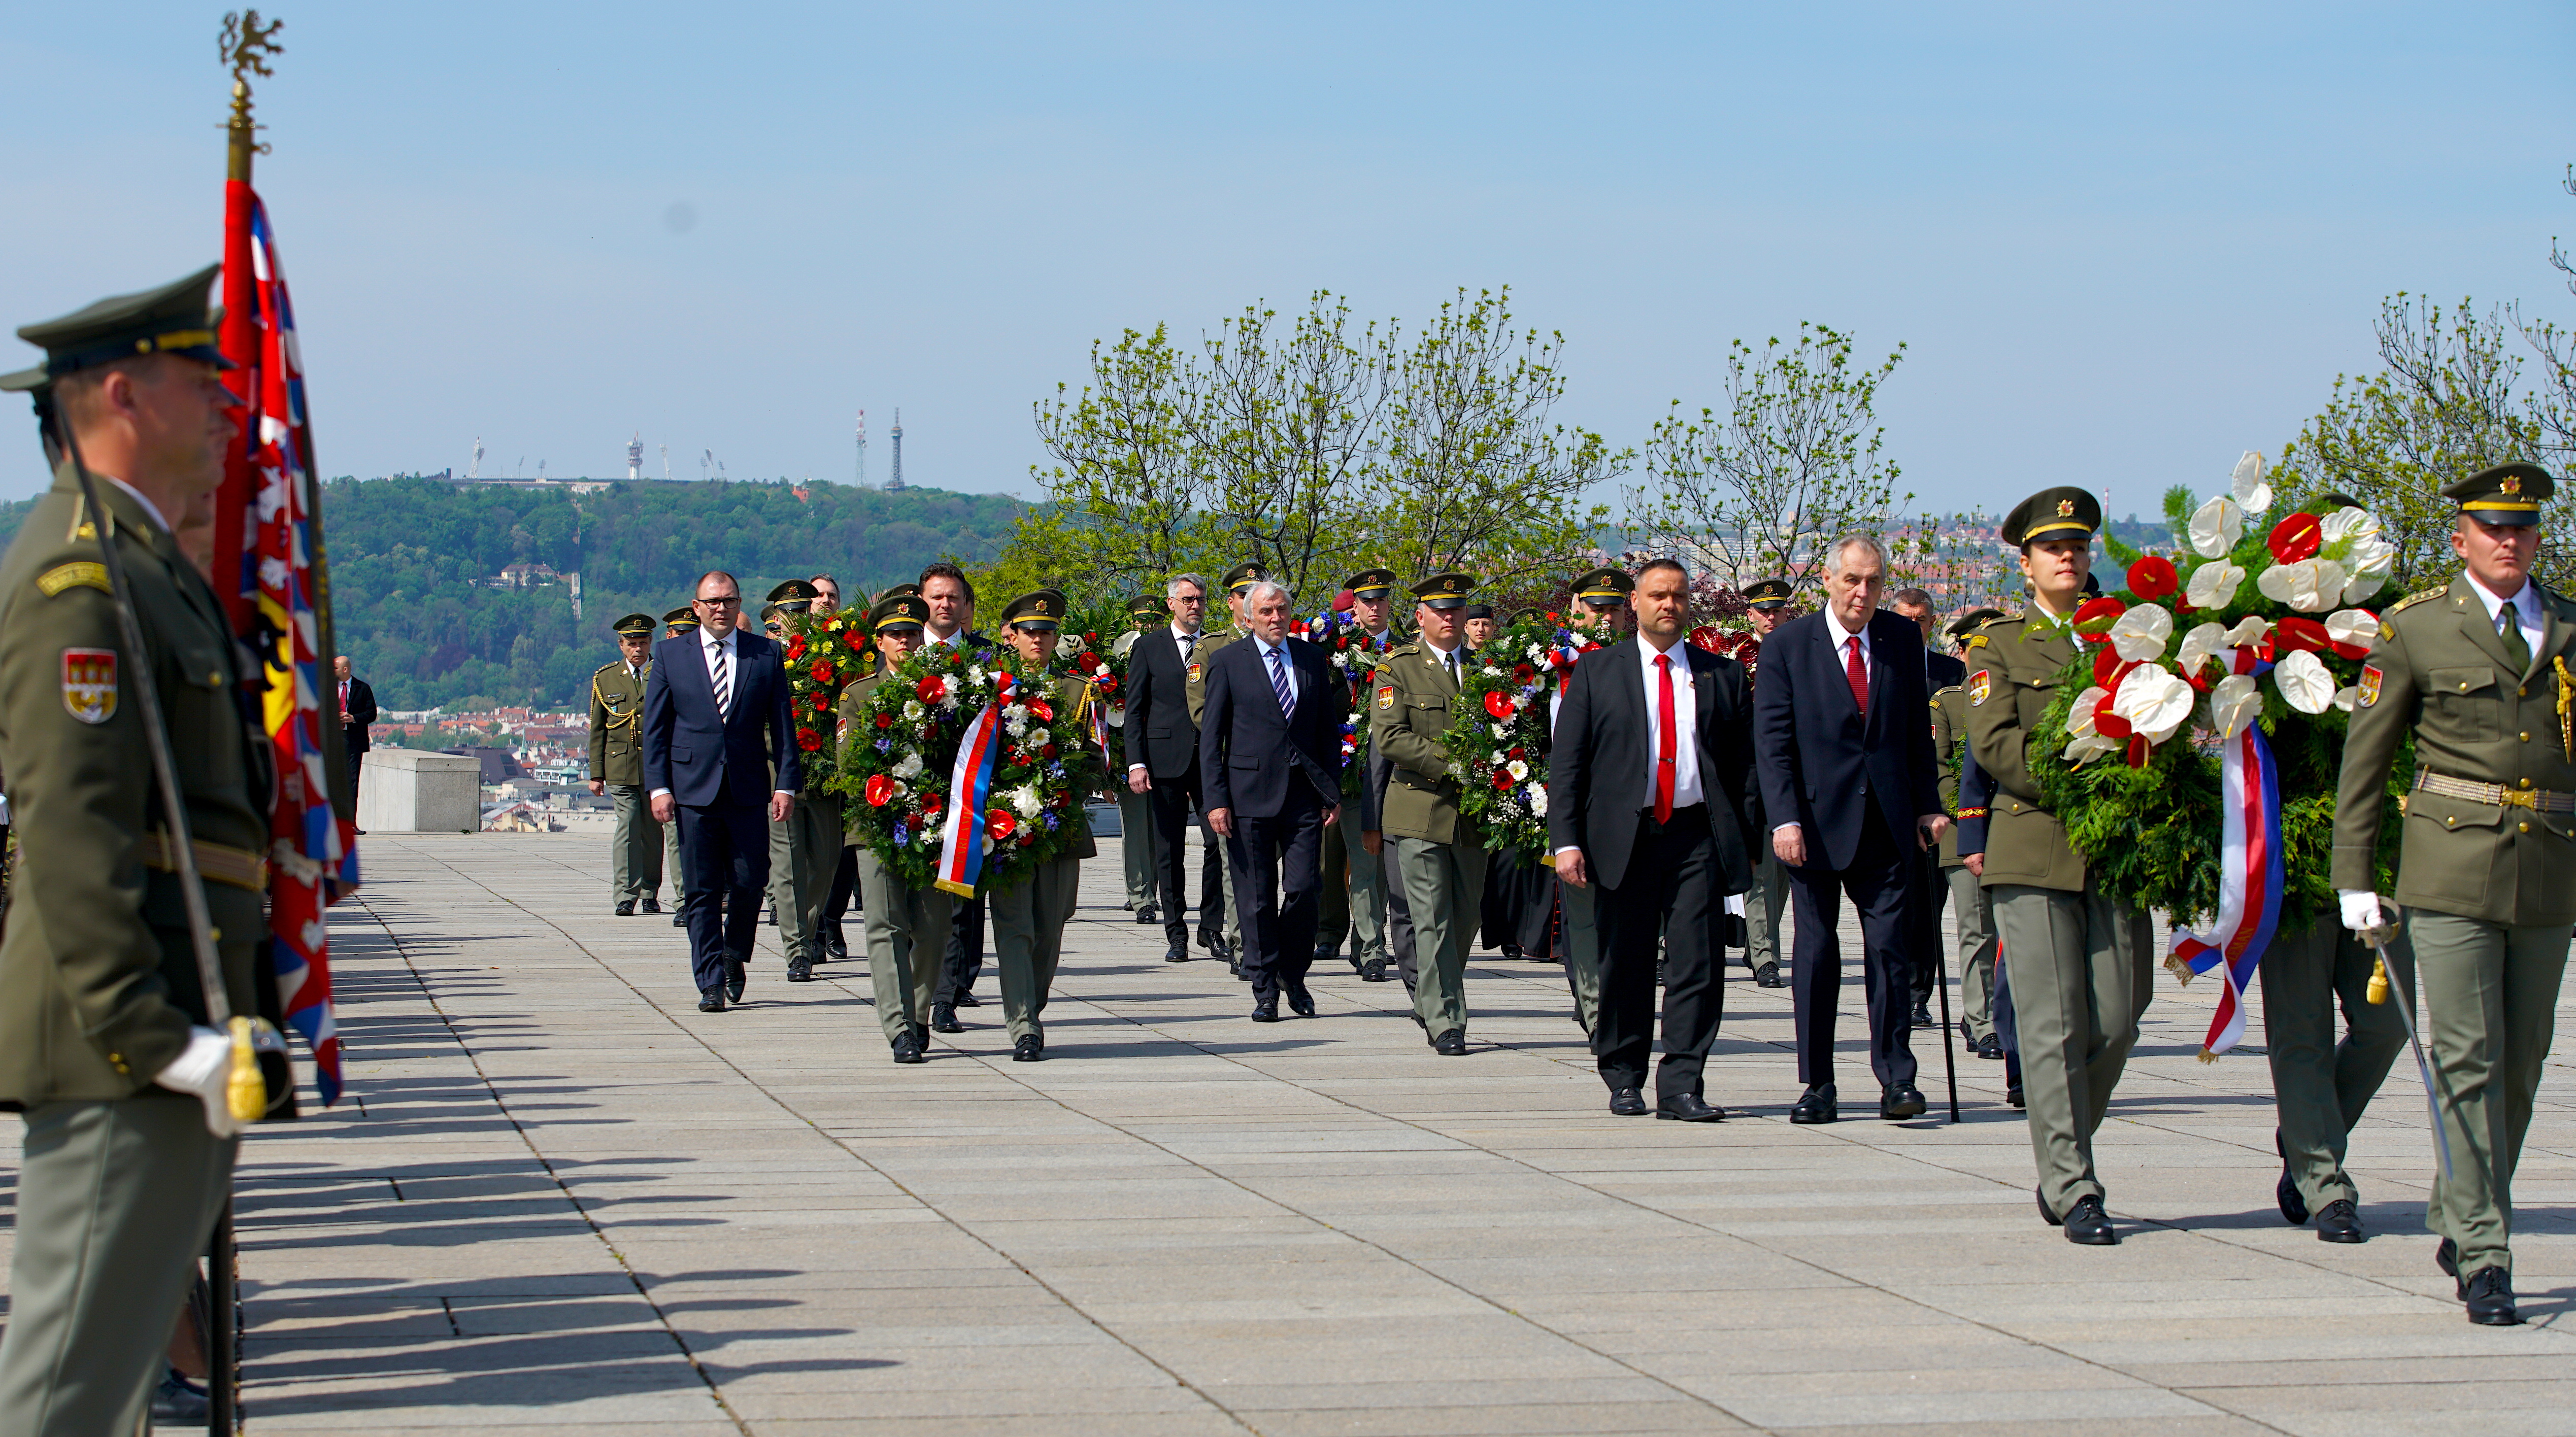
column 223, row 863
column 2540, row 800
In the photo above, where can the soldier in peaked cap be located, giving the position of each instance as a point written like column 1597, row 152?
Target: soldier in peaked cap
column 796, row 596
column 2082, row 962
column 1029, row 913
column 1135, row 810
column 907, row 928
column 1357, row 897
column 2478, row 670
column 1437, row 856
column 1968, row 899
column 682, row 620
column 105, row 1043
column 805, row 850
column 617, row 767
column 1768, row 603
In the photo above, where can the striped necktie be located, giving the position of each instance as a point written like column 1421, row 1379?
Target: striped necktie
column 1279, row 681
column 723, row 683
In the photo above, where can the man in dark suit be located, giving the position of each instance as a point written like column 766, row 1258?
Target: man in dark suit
column 357, row 710
column 1270, row 774
column 1843, row 741
column 1940, row 671
column 1163, row 751
column 951, row 597
column 1647, row 796
column 715, row 719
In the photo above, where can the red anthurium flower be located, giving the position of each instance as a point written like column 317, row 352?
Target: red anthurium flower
column 1109, row 683
column 2153, row 577
column 1707, row 639
column 808, row 740
column 2137, row 750
column 2108, row 667
column 880, row 788
column 2093, row 618
column 1000, row 823
column 932, row 689
column 1041, row 710
column 2107, row 723
column 1499, row 705
column 2294, row 632
column 2295, row 538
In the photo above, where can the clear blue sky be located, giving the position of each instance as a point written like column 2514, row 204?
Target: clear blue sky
column 2122, row 245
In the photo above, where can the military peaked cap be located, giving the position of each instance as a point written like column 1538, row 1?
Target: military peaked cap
column 898, row 611
column 1037, row 609
column 1244, row 576
column 1148, row 606
column 885, row 594
column 681, row 619
column 796, row 596
column 2065, row 512
column 633, row 626
column 1768, row 594
column 1370, row 583
column 1605, row 586
column 2505, row 494
column 1444, row 591
column 1967, row 623
column 177, row 319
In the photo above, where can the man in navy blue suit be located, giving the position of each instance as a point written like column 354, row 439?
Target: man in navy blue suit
column 1270, row 771
column 1842, row 738
column 715, row 719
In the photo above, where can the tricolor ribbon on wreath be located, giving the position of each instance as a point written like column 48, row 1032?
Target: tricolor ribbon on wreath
column 2250, row 885
column 970, row 785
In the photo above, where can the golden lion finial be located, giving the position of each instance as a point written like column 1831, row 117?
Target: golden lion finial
column 247, row 44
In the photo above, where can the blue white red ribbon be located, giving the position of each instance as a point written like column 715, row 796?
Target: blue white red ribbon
column 2250, row 886
column 970, row 784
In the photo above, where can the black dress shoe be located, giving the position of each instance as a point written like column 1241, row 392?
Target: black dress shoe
column 1628, row 1102
column 1512, row 951
column 769, row 916
column 1149, row 914
column 2047, row 1214
column 2340, row 1221
column 652, row 905
column 626, row 908
column 1211, row 940
column 2088, row 1225
column 1922, row 1017
column 800, row 971
column 907, row 1047
column 836, row 944
column 943, row 1019
column 1689, row 1108
column 1223, row 949
column 1354, row 956
column 2489, row 1295
column 2294, row 1208
column 178, row 1402
column 1991, row 1047
column 1817, row 1106
column 1031, row 1049
column 711, row 1001
column 735, row 978
column 679, row 919
column 1900, row 1101
column 1768, row 976
column 967, row 999
column 1234, row 967
column 1452, row 1044
column 2012, row 1095
column 2447, row 1258
column 1373, row 971
column 1266, row 1010
column 1301, row 1002
column 1177, row 953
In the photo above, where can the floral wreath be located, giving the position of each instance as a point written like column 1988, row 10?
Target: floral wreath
column 1499, row 727
column 822, row 653
column 1355, row 658
column 1106, row 671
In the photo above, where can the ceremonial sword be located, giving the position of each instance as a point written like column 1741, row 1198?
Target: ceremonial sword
column 2377, row 936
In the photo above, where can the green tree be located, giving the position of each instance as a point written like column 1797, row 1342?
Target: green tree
column 1793, row 460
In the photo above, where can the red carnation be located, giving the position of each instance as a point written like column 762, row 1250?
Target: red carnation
column 885, row 720
column 808, row 740
column 1502, row 781
column 2153, row 577
column 1047, row 752
column 1524, row 672
column 932, row 689
column 1499, row 706
column 880, row 788
column 2295, row 538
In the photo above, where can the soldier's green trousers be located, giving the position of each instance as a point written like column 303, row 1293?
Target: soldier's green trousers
column 635, row 852
column 2320, row 1085
column 1762, row 909
column 2083, row 971
column 907, row 932
column 1028, row 919
column 1136, row 845
column 671, row 864
column 813, row 851
column 1582, row 944
column 2490, row 1003
column 1354, row 892
column 1444, row 888
column 115, row 1203
column 1970, row 903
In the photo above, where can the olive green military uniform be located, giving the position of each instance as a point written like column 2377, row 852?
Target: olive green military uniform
column 617, row 760
column 1437, row 856
column 907, row 928
column 1029, row 915
column 2486, row 871
column 805, row 849
column 1969, row 901
column 2083, row 964
column 1354, row 899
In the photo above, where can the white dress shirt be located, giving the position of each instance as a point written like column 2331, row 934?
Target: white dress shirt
column 1296, row 685
column 1686, row 784
column 1844, row 639
column 1446, row 659
column 2526, row 611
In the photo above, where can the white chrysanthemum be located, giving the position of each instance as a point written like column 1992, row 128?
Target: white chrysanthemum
column 908, row 766
column 2216, row 527
column 1025, row 801
column 2142, row 632
column 1499, row 759
column 1538, row 653
column 2198, row 647
column 1538, row 801
column 2233, row 704
column 1518, row 770
column 2213, row 585
column 1501, row 731
column 2153, row 701
column 2304, row 681
column 2246, row 483
column 912, row 709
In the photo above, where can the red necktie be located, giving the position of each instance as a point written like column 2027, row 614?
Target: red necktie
column 344, row 701
column 1859, row 674
column 1664, row 738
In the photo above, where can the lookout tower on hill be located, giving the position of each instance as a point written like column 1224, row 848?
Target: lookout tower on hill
column 897, row 481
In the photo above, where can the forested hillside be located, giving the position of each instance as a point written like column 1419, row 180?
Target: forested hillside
column 415, row 565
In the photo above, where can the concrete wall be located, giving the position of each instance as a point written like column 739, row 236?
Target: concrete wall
column 403, row 790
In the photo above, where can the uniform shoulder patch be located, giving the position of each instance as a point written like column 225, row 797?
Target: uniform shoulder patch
column 1198, row 672
column 2420, row 596
column 89, row 684
column 1386, row 696
column 1977, row 640
column 2370, row 681
column 1980, row 684
column 66, row 576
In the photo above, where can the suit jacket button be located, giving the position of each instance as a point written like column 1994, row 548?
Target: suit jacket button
column 2526, row 737
column 2525, row 827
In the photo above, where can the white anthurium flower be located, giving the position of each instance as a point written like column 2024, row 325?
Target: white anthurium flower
column 2305, row 681
column 2352, row 626
column 2079, row 719
column 2213, row 585
column 2216, row 527
column 2371, row 560
column 2142, row 632
column 2234, row 703
column 2201, row 645
column 2248, row 632
column 1518, row 770
column 2346, row 697
column 2246, row 483
column 2310, row 586
column 2082, row 750
column 2353, row 524
column 2154, row 702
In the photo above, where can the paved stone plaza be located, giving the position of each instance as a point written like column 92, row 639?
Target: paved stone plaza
column 564, row 1201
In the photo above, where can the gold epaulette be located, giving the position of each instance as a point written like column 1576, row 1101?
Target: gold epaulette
column 1977, row 640
column 611, row 664
column 1401, row 650
column 2418, row 597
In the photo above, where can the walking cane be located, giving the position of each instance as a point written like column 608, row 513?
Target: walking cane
column 2377, row 936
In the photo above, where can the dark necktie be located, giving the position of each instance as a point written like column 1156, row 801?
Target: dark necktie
column 723, row 684
column 1279, row 681
column 1663, row 738
column 2509, row 628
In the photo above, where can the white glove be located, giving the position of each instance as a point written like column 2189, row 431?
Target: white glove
column 203, row 1069
column 2360, row 909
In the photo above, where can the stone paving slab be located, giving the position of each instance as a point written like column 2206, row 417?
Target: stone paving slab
column 560, row 1199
